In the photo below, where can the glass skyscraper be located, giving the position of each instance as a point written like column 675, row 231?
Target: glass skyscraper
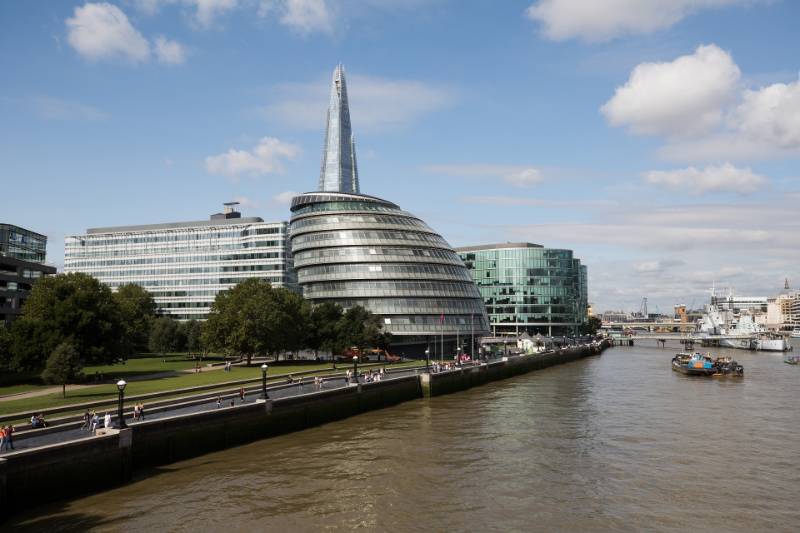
column 22, row 254
column 184, row 265
column 529, row 288
column 354, row 249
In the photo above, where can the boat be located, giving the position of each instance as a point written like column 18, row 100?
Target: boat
column 792, row 360
column 727, row 367
column 695, row 364
column 795, row 334
column 739, row 331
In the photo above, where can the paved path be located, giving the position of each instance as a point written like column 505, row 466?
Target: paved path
column 70, row 432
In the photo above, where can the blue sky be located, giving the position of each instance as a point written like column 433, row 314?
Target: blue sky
column 658, row 140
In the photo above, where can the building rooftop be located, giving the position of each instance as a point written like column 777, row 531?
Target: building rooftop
column 178, row 225
column 498, row 246
column 5, row 225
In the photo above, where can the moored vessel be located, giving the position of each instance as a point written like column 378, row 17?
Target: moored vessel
column 693, row 364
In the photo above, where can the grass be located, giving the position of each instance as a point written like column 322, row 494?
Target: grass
column 134, row 388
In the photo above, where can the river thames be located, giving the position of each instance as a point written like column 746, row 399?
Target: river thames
column 615, row 442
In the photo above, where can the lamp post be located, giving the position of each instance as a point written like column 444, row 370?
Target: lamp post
column 428, row 359
column 355, row 367
column 264, row 369
column 120, row 415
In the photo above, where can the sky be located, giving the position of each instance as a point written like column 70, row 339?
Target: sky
column 658, row 140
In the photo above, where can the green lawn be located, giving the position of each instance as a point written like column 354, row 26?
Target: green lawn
column 109, row 391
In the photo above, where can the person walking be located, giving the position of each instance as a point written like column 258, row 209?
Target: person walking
column 87, row 419
column 10, row 436
column 2, row 439
column 107, row 421
column 141, row 411
column 219, row 402
column 95, row 422
column 241, row 394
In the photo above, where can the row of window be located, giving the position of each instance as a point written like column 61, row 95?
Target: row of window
column 141, row 273
column 72, row 252
column 386, row 235
column 170, row 236
column 167, row 259
column 354, row 251
column 466, row 289
column 389, row 268
column 344, row 206
column 416, row 305
column 188, row 282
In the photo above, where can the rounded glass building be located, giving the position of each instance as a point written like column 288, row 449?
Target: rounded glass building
column 355, row 249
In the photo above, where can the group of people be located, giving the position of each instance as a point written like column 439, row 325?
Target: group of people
column 91, row 421
column 37, row 421
column 6, row 438
column 228, row 366
column 138, row 412
column 365, row 377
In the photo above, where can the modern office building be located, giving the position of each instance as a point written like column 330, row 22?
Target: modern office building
column 355, row 249
column 529, row 288
column 184, row 265
column 22, row 257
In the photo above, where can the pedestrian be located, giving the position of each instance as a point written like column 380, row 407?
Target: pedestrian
column 107, row 420
column 2, row 439
column 95, row 422
column 135, row 412
column 219, row 402
column 141, row 411
column 10, row 436
column 232, row 402
column 241, row 394
column 86, row 420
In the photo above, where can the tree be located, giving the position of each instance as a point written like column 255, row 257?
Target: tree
column 137, row 311
column 239, row 323
column 289, row 317
column 358, row 327
column 5, row 347
column 591, row 326
column 164, row 336
column 74, row 307
column 322, row 333
column 191, row 332
column 63, row 365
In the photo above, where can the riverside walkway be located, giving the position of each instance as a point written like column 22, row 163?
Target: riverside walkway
column 71, row 430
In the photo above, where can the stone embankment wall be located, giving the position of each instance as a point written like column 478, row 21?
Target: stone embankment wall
column 35, row 476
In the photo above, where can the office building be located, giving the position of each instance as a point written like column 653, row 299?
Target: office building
column 529, row 288
column 184, row 265
column 354, row 249
column 22, row 257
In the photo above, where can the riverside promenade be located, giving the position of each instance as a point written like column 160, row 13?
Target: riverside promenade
column 63, row 462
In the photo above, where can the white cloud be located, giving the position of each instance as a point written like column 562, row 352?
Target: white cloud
column 684, row 96
column 518, row 176
column 504, row 201
column 723, row 178
column 285, row 197
column 771, row 115
column 375, row 103
column 102, row 31
column 303, row 16
column 247, row 202
column 265, row 158
column 51, row 108
column 602, row 20
column 205, row 12
column 169, row 52
column 657, row 266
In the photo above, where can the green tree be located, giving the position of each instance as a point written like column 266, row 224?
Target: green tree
column 63, row 365
column 67, row 306
column 191, row 332
column 240, row 321
column 289, row 316
column 5, row 347
column 591, row 326
column 137, row 311
column 164, row 335
column 323, row 323
column 359, row 328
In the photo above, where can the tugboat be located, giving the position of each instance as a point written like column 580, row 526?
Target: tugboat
column 727, row 367
column 693, row 364
column 792, row 360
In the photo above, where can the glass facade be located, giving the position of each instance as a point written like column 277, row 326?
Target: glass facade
column 22, row 254
column 185, row 265
column 528, row 288
column 22, row 244
column 354, row 249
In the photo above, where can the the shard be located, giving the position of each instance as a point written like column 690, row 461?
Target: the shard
column 339, row 172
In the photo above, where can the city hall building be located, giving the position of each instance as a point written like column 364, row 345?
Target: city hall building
column 354, row 249
column 184, row 265
column 529, row 288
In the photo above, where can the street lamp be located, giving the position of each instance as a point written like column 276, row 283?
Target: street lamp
column 120, row 415
column 355, row 367
column 264, row 369
column 427, row 359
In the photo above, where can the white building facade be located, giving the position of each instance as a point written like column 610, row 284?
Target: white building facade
column 184, row 265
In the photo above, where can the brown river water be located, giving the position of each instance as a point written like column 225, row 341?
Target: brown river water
column 616, row 442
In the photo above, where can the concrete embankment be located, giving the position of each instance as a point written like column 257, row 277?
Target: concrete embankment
column 65, row 470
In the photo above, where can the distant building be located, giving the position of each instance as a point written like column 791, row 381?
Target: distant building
column 22, row 254
column 529, row 288
column 184, row 265
column 754, row 304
